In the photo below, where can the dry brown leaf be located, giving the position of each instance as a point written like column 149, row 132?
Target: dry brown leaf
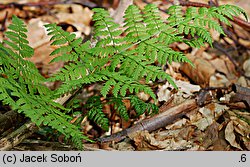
column 183, row 46
column 246, row 142
column 211, row 135
column 220, row 65
column 167, row 134
column 210, row 113
column 145, row 141
column 218, row 80
column 194, row 116
column 178, row 124
column 220, row 144
column 164, row 92
column 201, row 73
column 230, row 136
column 185, row 90
column 240, row 126
column 246, row 67
column 123, row 146
column 203, row 123
column 242, row 81
column 80, row 17
column 37, row 33
column 207, row 56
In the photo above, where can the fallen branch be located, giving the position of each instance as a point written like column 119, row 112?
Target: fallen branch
column 153, row 123
column 40, row 145
column 242, row 95
column 25, row 130
column 85, row 3
column 17, row 136
column 8, row 120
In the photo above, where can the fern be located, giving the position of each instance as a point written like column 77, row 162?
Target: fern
column 22, row 85
column 196, row 21
column 95, row 113
column 123, row 60
column 120, row 107
column 142, row 107
column 95, row 106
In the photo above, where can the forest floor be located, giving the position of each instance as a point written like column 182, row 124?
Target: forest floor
column 220, row 83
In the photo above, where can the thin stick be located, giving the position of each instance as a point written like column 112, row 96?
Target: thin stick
column 24, row 131
column 153, row 123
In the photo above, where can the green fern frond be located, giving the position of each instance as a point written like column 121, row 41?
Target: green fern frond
column 16, row 35
column 23, row 86
column 135, row 29
column 197, row 21
column 142, row 107
column 107, row 33
column 107, row 87
column 69, row 47
column 119, row 107
column 230, row 11
column 72, row 71
column 153, row 19
column 95, row 113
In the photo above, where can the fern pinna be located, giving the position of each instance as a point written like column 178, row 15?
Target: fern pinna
column 122, row 58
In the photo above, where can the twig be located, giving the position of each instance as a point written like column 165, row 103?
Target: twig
column 41, row 4
column 25, row 130
column 17, row 136
column 220, row 48
column 242, row 95
column 153, row 123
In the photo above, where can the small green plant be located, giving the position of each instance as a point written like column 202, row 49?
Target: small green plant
column 123, row 59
